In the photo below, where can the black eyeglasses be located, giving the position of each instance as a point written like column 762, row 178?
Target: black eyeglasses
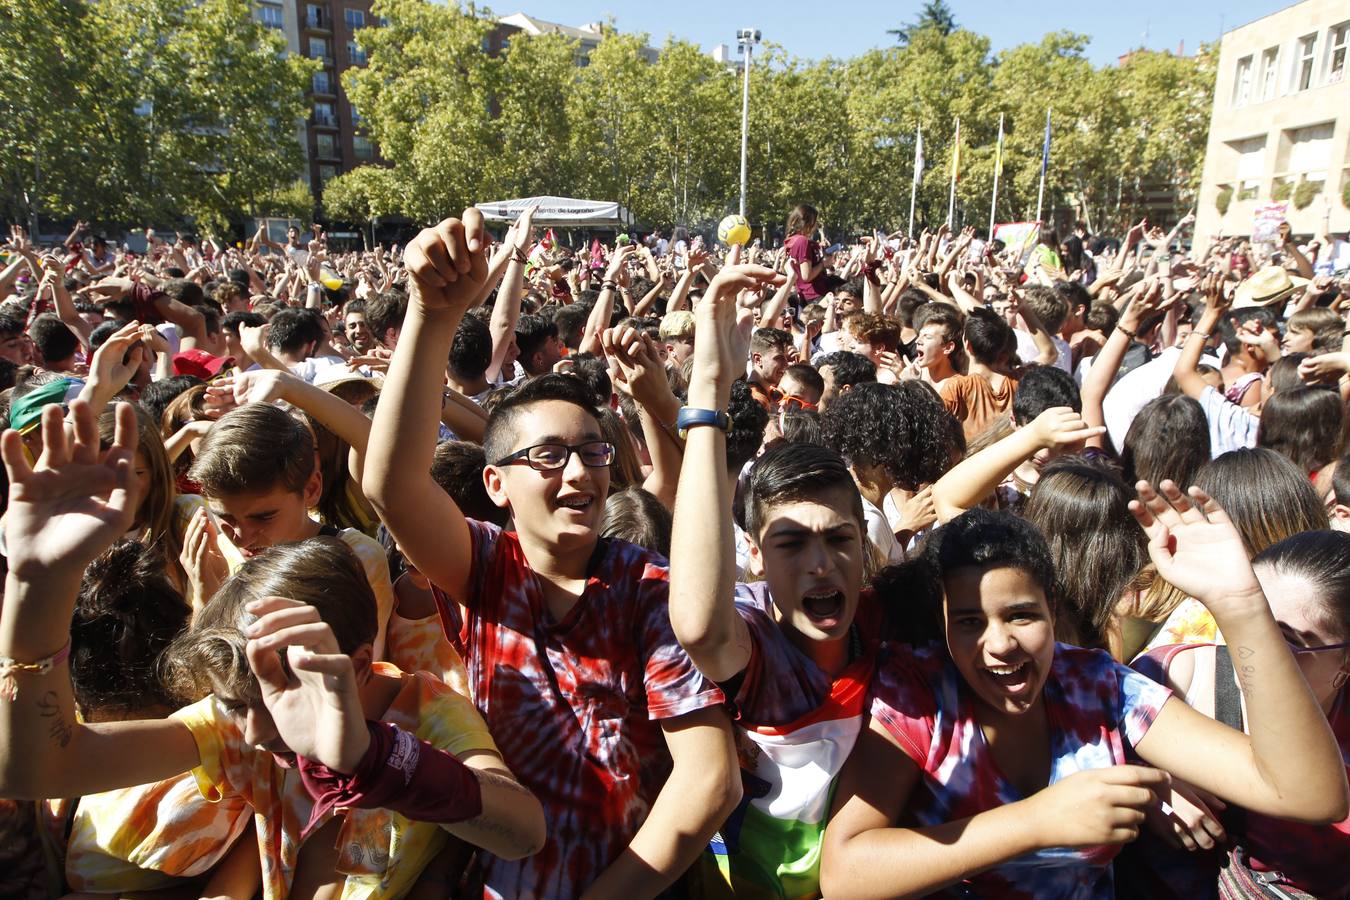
column 550, row 457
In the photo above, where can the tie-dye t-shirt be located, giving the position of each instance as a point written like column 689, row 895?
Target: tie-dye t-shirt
column 1097, row 710
column 145, row 837
column 574, row 704
column 382, row 853
column 795, row 726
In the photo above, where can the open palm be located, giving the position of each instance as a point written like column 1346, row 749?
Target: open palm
column 72, row 505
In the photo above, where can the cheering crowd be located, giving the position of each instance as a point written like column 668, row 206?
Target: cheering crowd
column 496, row 566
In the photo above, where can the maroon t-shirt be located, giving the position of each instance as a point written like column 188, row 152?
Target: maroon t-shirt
column 143, row 298
column 802, row 249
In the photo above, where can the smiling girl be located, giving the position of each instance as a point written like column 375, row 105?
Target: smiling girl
column 994, row 763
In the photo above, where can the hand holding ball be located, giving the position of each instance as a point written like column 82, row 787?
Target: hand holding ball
column 734, row 229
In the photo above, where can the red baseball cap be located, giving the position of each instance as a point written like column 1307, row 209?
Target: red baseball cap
column 200, row 363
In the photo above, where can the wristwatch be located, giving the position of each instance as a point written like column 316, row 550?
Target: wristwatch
column 689, row 417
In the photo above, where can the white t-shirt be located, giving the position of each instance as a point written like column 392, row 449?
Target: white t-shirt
column 1027, row 349
column 880, row 534
column 1136, row 388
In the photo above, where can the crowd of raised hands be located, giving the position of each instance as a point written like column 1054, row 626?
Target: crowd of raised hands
column 530, row 565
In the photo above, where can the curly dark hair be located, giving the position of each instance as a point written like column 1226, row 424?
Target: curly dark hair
column 1042, row 388
column 748, row 421
column 904, row 428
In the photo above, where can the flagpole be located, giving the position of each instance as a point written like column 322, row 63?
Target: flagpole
column 998, row 170
column 1045, row 162
column 914, row 182
column 956, row 161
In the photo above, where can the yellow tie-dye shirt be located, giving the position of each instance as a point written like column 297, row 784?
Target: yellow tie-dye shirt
column 382, row 853
column 146, row 837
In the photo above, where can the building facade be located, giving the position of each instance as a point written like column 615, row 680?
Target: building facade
column 324, row 30
column 1280, row 128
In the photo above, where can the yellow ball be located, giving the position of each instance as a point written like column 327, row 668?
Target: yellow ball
column 733, row 230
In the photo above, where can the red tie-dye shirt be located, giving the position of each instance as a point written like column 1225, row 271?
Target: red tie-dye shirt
column 574, row 705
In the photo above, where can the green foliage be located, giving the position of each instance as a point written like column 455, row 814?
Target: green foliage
column 149, row 110
column 1345, row 193
column 1223, row 200
column 936, row 14
column 1305, row 192
column 1282, row 190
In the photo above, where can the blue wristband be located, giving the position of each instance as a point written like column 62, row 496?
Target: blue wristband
column 690, row 417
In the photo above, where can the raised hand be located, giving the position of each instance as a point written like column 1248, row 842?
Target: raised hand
column 638, row 370
column 1195, row 547
column 258, row 386
column 1096, row 806
column 116, row 360
column 71, row 505
column 448, row 263
column 313, row 699
column 1060, row 426
column 201, row 558
column 724, row 324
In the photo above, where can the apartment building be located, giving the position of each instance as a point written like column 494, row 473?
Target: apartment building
column 332, row 136
column 1280, row 127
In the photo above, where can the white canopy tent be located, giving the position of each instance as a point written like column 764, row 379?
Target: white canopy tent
column 560, row 212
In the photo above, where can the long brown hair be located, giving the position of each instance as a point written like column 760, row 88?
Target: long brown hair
column 802, row 219
column 1098, row 549
column 156, row 518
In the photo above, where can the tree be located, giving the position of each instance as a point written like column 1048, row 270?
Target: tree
column 936, row 14
column 145, row 110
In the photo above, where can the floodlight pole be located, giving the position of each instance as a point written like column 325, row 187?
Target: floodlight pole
column 746, row 38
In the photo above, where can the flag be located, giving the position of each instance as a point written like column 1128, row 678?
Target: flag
column 918, row 157
column 1045, row 147
column 956, row 155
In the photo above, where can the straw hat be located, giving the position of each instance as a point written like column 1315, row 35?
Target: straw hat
column 1267, row 286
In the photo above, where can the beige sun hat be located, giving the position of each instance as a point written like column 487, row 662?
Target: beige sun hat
column 1267, row 286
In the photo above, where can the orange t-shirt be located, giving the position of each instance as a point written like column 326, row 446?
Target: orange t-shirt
column 976, row 402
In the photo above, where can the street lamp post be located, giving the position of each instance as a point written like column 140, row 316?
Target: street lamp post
column 746, row 38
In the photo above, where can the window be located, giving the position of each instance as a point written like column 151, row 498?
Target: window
column 354, row 18
column 144, row 107
column 356, row 54
column 1269, row 70
column 322, row 83
column 271, row 16
column 327, row 173
column 1251, row 166
column 1303, row 62
column 324, row 114
column 1310, row 151
column 356, row 118
column 363, row 147
column 324, row 146
column 318, row 48
column 315, row 17
column 1340, row 45
column 1242, row 82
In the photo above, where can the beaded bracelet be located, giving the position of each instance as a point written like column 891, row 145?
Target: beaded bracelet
column 9, row 687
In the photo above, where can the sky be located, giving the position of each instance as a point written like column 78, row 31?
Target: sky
column 813, row 29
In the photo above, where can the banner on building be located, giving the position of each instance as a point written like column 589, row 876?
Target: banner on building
column 1266, row 223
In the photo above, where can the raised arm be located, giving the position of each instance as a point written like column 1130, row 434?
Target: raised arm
column 1290, row 766
column 702, row 546
column 63, row 512
column 447, row 266
column 1217, row 301
column 1290, row 246
column 603, row 311
column 970, row 481
column 639, row 373
column 1107, row 361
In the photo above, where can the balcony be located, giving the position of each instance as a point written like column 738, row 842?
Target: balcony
column 324, row 120
column 318, row 20
column 327, row 152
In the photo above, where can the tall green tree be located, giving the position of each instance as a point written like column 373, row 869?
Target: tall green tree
column 935, row 14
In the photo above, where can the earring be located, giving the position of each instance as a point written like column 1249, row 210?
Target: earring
column 1339, row 681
